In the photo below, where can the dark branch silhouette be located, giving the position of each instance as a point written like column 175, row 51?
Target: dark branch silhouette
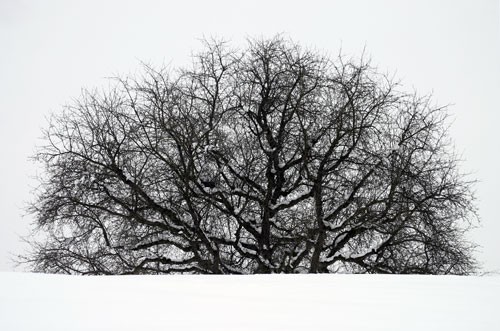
column 273, row 159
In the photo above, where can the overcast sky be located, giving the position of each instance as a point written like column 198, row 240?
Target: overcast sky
column 49, row 50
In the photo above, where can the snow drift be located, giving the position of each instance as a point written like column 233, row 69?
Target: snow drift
column 258, row 302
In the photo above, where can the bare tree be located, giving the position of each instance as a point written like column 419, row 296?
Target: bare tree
column 273, row 159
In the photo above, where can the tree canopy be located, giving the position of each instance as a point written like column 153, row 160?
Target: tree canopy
column 268, row 159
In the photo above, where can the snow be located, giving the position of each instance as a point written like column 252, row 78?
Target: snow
column 268, row 150
column 209, row 148
column 339, row 238
column 257, row 302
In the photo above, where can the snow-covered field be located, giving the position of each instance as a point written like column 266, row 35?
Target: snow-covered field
column 273, row 302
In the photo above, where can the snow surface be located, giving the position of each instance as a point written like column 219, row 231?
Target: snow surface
column 257, row 302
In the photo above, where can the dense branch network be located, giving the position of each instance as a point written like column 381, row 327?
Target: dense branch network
column 270, row 160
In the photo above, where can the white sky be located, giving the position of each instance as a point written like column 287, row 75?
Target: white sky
column 49, row 50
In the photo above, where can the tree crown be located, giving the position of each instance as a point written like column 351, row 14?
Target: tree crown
column 269, row 159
